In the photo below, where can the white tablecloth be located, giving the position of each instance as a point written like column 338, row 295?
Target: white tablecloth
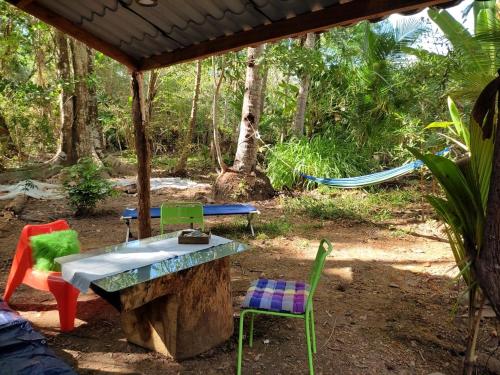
column 82, row 272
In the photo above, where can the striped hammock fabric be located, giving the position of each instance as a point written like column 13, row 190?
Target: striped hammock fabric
column 371, row 179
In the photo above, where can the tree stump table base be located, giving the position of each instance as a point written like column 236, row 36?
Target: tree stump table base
column 179, row 315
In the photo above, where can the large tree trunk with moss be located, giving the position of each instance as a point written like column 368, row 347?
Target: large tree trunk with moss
column 242, row 181
column 80, row 135
column 84, row 113
column 66, row 105
column 305, row 81
column 180, row 168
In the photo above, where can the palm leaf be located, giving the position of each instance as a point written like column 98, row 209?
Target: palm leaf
column 459, row 36
column 459, row 192
column 461, row 129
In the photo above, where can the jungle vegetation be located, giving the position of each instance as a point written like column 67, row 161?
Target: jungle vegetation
column 340, row 103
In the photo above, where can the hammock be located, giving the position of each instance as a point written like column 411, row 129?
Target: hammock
column 371, row 179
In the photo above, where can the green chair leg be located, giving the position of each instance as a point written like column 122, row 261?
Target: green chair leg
column 240, row 344
column 309, row 345
column 313, row 332
column 250, row 341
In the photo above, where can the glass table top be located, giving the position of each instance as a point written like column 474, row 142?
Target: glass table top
column 139, row 275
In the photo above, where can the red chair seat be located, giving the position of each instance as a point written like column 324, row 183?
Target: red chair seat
column 22, row 272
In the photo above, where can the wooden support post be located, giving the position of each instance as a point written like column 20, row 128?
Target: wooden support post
column 143, row 156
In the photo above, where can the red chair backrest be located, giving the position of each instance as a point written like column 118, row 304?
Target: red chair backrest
column 23, row 246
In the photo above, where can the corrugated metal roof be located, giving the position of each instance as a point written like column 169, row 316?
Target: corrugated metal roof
column 142, row 32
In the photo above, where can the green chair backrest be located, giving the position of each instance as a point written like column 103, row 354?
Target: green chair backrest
column 325, row 248
column 181, row 213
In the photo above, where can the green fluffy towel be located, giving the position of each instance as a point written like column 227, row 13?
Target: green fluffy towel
column 47, row 247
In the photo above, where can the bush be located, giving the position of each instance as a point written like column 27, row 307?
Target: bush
column 85, row 186
column 321, row 156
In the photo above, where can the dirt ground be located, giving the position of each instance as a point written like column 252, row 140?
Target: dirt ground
column 384, row 305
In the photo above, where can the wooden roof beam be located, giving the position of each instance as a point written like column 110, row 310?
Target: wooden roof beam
column 346, row 12
column 76, row 31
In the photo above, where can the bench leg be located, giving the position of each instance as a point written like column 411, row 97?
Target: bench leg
column 250, row 226
column 129, row 231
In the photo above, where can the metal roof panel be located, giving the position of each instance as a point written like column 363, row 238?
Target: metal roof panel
column 134, row 33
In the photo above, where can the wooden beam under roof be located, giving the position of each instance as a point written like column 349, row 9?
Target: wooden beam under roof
column 76, row 31
column 345, row 13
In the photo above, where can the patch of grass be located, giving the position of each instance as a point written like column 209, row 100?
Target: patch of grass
column 128, row 156
column 311, row 226
column 263, row 229
column 376, row 206
column 273, row 228
column 235, row 229
column 164, row 162
column 398, row 233
column 199, row 161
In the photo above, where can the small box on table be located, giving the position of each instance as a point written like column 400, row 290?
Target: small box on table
column 194, row 237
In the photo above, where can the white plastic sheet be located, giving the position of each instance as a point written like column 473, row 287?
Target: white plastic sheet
column 41, row 190
column 163, row 182
column 31, row 188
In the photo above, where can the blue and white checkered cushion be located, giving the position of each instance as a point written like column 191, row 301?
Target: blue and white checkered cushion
column 277, row 295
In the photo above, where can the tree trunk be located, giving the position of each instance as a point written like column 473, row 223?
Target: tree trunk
column 7, row 145
column 149, row 99
column 305, row 81
column 78, row 102
column 84, row 114
column 93, row 119
column 180, row 168
column 263, row 88
column 153, row 83
column 487, row 263
column 243, row 181
column 215, row 125
column 65, row 151
column 246, row 151
column 143, row 155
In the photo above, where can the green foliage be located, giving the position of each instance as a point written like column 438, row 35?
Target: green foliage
column 323, row 155
column 28, row 88
column 85, row 186
column 478, row 53
column 47, row 247
column 459, row 131
column 373, row 88
column 463, row 210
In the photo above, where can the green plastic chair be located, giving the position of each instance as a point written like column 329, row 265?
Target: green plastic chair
column 181, row 213
column 261, row 292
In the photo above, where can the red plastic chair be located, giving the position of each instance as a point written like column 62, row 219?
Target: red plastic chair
column 22, row 272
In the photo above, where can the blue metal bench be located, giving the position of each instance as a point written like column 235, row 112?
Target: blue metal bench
column 130, row 214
